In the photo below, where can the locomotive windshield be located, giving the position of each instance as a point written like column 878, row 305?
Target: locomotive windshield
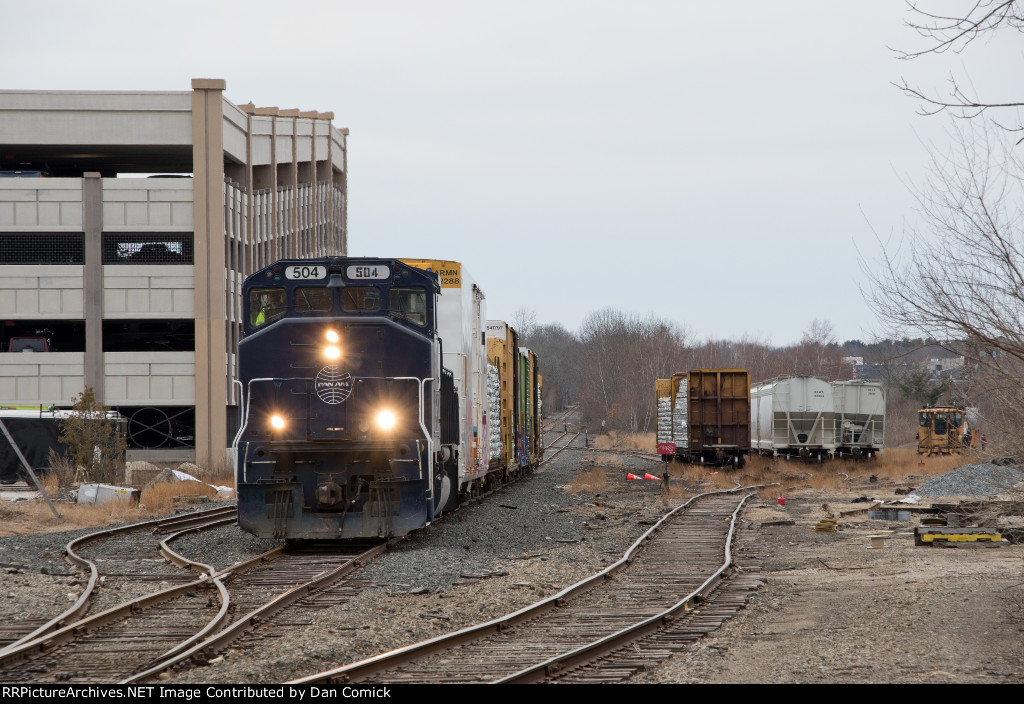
column 356, row 298
column 923, row 421
column 940, row 423
column 409, row 303
column 266, row 305
column 307, row 292
column 312, row 300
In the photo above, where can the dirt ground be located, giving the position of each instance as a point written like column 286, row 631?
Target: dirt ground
column 836, row 609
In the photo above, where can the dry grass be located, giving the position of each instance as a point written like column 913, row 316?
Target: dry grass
column 768, row 493
column 27, row 517
column 614, row 440
column 159, row 499
column 895, row 466
column 826, row 480
column 900, row 463
column 35, row 517
column 591, row 481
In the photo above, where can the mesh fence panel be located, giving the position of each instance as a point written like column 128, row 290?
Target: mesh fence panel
column 147, row 248
column 42, row 248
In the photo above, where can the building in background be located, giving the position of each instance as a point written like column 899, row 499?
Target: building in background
column 132, row 284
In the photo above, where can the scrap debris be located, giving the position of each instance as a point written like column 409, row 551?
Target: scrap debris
column 930, row 535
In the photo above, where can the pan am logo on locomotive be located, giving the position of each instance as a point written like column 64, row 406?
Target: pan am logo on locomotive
column 333, row 386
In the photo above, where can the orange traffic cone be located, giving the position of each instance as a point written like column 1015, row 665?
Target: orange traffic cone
column 651, row 476
column 630, row 476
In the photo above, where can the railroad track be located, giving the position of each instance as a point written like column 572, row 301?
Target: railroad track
column 554, row 449
column 126, row 559
column 667, row 588
column 561, row 418
column 190, row 622
column 639, row 454
column 298, row 583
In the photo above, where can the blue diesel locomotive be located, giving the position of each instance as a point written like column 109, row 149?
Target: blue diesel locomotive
column 351, row 424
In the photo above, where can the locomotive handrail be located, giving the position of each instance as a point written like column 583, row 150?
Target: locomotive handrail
column 234, row 442
column 244, row 424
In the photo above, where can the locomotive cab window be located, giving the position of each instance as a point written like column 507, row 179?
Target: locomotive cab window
column 357, row 298
column 265, row 305
column 409, row 303
column 310, row 299
column 924, row 422
column 940, row 423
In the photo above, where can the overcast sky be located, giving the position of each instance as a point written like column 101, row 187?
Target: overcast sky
column 717, row 164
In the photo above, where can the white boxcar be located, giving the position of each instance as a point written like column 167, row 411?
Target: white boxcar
column 461, row 322
column 860, row 417
column 793, row 416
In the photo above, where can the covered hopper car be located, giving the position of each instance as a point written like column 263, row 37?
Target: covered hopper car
column 860, row 418
column 793, row 416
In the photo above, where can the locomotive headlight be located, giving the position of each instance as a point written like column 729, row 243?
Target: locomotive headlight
column 333, row 336
column 332, row 352
column 277, row 422
column 386, row 420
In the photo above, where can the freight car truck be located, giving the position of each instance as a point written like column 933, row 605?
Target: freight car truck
column 704, row 416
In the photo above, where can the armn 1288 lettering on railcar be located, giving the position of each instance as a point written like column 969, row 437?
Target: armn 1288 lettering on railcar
column 365, row 398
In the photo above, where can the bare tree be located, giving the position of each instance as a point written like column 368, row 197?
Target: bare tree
column 818, row 353
column 622, row 355
column 559, row 353
column 954, row 33
column 958, row 278
column 524, row 320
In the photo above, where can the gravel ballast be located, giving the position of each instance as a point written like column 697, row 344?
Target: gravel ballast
column 833, row 609
column 986, row 479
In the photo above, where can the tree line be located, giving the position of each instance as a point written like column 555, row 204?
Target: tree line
column 608, row 366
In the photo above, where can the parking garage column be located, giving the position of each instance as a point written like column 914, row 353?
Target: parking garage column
column 210, row 287
column 92, row 225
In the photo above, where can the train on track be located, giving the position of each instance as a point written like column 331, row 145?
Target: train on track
column 704, row 416
column 801, row 417
column 368, row 393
